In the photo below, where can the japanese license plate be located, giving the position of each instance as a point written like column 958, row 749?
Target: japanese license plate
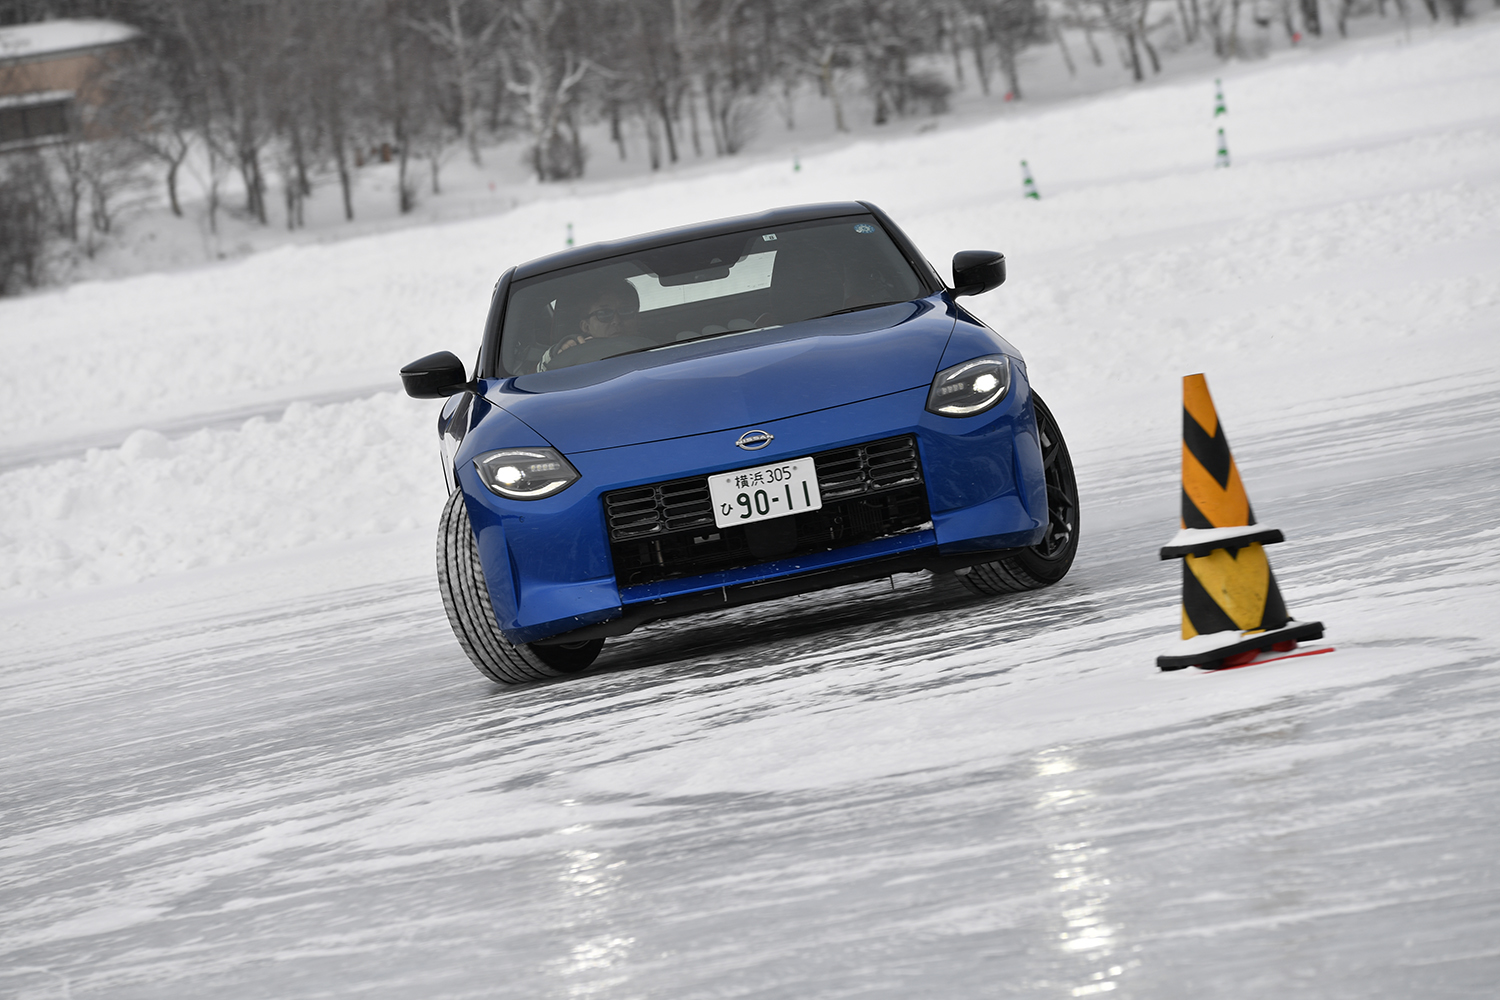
column 766, row 491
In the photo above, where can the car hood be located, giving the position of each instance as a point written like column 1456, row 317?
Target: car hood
column 732, row 381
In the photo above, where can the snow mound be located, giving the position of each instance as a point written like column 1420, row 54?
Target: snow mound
column 153, row 505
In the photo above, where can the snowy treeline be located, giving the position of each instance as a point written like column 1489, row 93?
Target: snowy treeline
column 268, row 97
column 277, row 87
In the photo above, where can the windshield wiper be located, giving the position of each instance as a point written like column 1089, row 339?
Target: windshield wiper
column 868, row 305
column 710, row 336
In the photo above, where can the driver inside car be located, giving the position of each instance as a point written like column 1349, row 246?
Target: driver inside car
column 611, row 311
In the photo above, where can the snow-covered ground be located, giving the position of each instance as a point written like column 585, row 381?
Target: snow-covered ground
column 245, row 759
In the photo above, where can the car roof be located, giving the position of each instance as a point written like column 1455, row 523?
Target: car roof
column 646, row 241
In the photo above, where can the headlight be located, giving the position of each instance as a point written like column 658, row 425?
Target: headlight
column 525, row 473
column 970, row 388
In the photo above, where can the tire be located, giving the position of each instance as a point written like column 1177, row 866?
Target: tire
column 467, row 601
column 1048, row 561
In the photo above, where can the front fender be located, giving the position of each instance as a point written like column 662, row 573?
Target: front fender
column 478, row 426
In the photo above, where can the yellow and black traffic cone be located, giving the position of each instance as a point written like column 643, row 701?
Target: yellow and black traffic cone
column 1231, row 605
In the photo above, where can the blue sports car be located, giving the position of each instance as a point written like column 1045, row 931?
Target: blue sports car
column 733, row 412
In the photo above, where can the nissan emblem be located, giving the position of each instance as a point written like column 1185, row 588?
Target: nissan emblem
column 754, row 440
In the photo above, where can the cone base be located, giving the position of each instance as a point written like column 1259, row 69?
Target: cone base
column 1202, row 541
column 1211, row 654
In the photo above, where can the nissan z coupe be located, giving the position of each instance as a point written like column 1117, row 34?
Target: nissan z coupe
column 733, row 412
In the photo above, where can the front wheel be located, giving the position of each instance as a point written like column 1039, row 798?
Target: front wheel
column 467, row 601
column 1049, row 560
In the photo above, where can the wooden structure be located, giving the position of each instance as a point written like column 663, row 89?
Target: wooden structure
column 49, row 73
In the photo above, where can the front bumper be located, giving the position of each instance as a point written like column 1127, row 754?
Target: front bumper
column 548, row 565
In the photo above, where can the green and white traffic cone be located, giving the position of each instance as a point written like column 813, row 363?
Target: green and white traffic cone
column 1028, row 186
column 1222, row 160
column 570, row 234
column 1219, row 106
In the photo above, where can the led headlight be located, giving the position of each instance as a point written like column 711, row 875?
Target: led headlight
column 970, row 388
column 525, row 473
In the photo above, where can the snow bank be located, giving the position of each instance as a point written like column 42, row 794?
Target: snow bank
column 1350, row 249
column 319, row 474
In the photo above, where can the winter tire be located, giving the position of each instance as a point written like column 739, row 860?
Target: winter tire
column 1048, row 561
column 467, row 601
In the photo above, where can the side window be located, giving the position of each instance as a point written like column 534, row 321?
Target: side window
column 528, row 329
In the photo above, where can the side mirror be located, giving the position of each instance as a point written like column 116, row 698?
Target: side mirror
column 435, row 376
column 976, row 271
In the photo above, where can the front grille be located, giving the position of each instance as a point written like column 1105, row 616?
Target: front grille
column 683, row 504
column 659, row 508
column 666, row 530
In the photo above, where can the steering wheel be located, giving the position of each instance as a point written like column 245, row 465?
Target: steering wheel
column 598, row 348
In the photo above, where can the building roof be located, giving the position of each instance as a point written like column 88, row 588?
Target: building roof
column 46, row 39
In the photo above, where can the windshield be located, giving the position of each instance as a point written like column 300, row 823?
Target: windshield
column 702, row 288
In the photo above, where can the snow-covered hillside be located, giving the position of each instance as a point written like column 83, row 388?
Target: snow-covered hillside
column 1347, row 255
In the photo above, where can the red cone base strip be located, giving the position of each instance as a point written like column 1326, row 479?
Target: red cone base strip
column 1249, row 659
column 1240, row 659
column 1238, row 642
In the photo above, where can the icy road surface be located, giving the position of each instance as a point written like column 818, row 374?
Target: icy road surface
column 299, row 787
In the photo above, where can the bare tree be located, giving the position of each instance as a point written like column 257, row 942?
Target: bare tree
column 1011, row 25
column 395, row 60
column 726, row 54
column 1126, row 21
column 657, row 70
column 813, row 45
column 147, row 108
column 1311, row 20
column 545, row 69
column 1222, row 19
column 436, row 126
column 341, row 101
column 26, row 221
column 232, row 50
column 464, row 33
column 296, row 137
